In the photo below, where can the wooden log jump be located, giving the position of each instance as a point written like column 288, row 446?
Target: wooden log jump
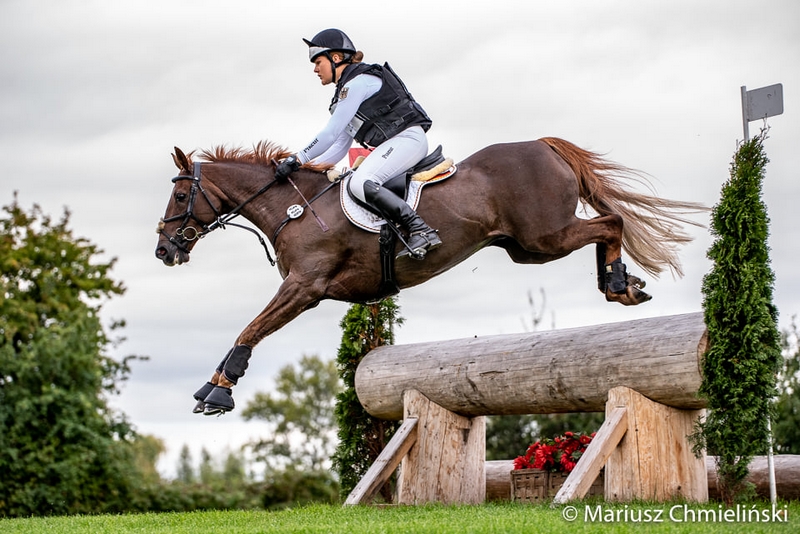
column 559, row 371
column 644, row 374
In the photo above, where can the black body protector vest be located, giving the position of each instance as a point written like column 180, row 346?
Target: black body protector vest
column 386, row 113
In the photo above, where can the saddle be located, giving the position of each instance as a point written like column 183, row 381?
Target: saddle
column 433, row 168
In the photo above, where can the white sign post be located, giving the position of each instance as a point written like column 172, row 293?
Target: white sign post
column 760, row 104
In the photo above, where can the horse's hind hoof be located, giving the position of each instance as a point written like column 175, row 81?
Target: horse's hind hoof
column 630, row 297
column 636, row 282
column 219, row 401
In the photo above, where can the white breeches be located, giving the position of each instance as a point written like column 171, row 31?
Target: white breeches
column 389, row 159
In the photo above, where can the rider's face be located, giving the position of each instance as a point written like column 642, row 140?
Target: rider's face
column 322, row 68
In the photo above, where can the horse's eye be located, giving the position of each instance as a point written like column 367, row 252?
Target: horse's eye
column 180, row 197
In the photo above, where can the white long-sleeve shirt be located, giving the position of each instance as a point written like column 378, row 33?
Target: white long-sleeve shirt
column 332, row 143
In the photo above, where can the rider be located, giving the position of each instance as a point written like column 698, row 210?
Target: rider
column 372, row 106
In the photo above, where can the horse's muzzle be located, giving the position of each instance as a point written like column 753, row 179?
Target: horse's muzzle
column 170, row 254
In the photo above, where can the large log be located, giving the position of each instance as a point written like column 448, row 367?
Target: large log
column 559, row 371
column 787, row 477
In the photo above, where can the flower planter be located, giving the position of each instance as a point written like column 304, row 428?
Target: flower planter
column 537, row 485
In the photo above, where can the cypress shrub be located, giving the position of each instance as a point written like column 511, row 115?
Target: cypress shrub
column 740, row 365
column 361, row 436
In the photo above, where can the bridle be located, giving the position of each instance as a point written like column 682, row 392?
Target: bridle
column 186, row 232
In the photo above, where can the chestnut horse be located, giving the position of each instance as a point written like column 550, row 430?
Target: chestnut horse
column 521, row 197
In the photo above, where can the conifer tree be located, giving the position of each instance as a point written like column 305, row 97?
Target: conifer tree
column 743, row 356
column 361, row 436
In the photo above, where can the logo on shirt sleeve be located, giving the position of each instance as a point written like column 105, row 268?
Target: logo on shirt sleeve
column 343, row 93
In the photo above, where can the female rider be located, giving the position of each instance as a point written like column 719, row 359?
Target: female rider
column 372, row 106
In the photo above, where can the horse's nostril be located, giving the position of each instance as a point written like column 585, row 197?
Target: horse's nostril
column 161, row 252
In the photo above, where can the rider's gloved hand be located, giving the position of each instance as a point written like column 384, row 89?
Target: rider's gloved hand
column 286, row 167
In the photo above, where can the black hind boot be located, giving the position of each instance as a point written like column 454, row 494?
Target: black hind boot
column 422, row 237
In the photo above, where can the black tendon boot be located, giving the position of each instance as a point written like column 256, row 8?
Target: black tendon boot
column 616, row 276
column 422, row 237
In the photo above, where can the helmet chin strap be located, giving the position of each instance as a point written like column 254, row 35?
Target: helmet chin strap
column 335, row 65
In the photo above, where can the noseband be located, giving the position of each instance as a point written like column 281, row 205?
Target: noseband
column 186, row 233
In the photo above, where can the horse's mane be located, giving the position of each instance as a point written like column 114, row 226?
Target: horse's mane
column 262, row 153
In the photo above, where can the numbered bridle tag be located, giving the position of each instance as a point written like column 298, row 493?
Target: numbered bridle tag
column 295, row 211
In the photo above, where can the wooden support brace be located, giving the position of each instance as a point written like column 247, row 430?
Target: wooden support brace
column 386, row 463
column 446, row 464
column 586, row 471
column 654, row 460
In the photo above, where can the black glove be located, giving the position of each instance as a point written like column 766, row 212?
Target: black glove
column 286, row 167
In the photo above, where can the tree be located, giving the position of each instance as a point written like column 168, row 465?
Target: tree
column 147, row 449
column 786, row 424
column 362, row 437
column 302, row 414
column 63, row 450
column 185, row 473
column 302, row 434
column 743, row 356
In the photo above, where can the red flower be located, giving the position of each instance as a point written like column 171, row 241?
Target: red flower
column 558, row 454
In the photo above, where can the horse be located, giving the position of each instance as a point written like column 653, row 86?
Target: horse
column 522, row 197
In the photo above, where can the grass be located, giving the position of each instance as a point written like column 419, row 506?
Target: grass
column 494, row 518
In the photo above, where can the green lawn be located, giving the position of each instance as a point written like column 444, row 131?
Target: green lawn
column 499, row 518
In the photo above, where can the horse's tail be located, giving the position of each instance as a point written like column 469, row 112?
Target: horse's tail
column 652, row 226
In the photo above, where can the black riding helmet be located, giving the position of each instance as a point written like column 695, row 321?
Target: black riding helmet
column 328, row 41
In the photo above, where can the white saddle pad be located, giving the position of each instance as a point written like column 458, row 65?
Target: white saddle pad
column 365, row 219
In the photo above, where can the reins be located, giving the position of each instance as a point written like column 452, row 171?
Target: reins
column 293, row 213
column 221, row 221
column 186, row 233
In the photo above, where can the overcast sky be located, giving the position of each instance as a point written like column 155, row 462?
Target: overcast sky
column 94, row 95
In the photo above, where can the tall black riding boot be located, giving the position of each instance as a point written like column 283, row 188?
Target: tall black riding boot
column 422, row 237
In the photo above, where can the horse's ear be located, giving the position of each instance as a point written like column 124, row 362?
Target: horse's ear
column 181, row 161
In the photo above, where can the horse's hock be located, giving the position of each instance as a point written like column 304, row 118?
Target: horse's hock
column 644, row 374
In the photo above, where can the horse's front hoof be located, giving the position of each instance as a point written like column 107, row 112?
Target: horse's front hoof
column 200, row 396
column 219, row 401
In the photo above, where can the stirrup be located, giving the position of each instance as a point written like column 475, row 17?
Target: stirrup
column 419, row 243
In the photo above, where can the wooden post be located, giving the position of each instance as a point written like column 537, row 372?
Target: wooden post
column 654, row 461
column 446, row 464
